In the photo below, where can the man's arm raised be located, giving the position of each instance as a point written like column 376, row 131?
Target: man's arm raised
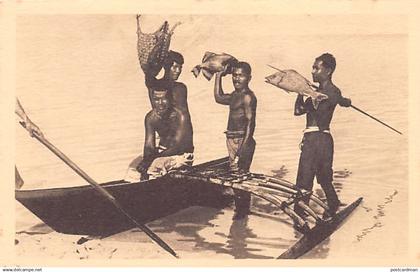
column 150, row 80
column 219, row 95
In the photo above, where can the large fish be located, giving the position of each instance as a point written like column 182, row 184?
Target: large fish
column 292, row 81
column 213, row 63
column 152, row 48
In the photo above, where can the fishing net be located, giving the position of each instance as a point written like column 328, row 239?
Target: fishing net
column 152, row 48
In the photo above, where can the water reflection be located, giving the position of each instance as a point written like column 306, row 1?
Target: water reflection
column 204, row 229
column 188, row 224
column 281, row 172
column 264, row 209
column 238, row 233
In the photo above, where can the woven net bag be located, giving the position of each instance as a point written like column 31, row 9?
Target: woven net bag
column 152, row 48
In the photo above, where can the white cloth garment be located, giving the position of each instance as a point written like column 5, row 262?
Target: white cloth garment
column 159, row 167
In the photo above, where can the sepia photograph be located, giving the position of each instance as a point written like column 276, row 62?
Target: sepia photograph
column 228, row 136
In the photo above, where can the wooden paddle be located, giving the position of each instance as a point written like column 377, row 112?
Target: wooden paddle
column 103, row 192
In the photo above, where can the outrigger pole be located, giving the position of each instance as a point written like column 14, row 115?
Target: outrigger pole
column 103, row 192
column 278, row 192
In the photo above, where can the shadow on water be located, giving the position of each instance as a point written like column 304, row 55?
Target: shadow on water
column 237, row 244
column 339, row 179
column 240, row 243
column 264, row 209
column 189, row 226
column 281, row 172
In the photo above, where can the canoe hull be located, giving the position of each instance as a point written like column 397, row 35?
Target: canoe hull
column 82, row 210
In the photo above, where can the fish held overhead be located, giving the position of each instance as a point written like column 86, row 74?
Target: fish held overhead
column 213, row 63
column 152, row 48
column 292, row 81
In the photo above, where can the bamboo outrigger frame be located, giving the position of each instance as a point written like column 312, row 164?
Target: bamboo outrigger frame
column 283, row 195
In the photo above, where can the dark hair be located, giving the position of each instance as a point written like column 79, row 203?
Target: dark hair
column 244, row 65
column 173, row 56
column 328, row 61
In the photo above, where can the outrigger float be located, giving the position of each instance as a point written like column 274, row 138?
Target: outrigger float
column 82, row 210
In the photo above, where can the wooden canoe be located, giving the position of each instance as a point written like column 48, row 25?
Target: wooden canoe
column 82, row 210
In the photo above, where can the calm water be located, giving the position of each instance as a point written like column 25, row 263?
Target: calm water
column 78, row 78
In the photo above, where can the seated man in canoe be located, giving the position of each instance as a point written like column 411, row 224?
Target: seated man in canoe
column 174, row 129
column 241, row 125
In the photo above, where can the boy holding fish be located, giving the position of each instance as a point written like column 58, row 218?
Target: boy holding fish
column 241, row 125
column 317, row 145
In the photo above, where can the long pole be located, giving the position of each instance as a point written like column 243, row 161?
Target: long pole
column 367, row 114
column 103, row 192
column 376, row 119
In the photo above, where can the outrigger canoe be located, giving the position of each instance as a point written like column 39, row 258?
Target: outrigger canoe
column 82, row 210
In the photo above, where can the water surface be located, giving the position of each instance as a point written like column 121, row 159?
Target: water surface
column 78, row 78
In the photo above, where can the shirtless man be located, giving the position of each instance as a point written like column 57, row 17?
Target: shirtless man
column 317, row 146
column 178, row 90
column 173, row 127
column 241, row 125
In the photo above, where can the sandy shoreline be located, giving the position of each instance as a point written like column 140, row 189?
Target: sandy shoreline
column 196, row 232
column 58, row 246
